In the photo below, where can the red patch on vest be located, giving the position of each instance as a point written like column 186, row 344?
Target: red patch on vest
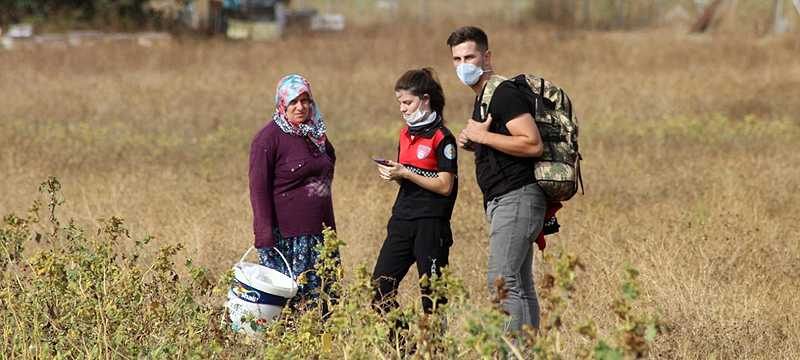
column 419, row 151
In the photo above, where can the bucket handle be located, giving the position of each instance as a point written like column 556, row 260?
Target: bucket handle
column 288, row 267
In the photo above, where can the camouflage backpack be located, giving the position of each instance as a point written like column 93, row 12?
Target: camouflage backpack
column 558, row 170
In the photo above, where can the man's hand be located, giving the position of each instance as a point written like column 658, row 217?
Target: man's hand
column 463, row 142
column 476, row 131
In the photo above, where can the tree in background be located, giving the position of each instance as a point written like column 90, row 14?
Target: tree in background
column 103, row 14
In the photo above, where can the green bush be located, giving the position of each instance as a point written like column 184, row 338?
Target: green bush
column 115, row 14
column 75, row 294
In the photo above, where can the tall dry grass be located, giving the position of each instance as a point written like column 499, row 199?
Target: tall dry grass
column 689, row 142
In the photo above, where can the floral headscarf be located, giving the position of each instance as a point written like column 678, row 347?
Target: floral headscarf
column 290, row 87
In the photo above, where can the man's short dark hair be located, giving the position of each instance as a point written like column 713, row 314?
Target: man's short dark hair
column 469, row 33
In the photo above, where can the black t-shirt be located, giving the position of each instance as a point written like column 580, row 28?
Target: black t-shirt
column 426, row 154
column 497, row 172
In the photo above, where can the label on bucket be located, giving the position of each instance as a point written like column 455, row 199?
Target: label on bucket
column 249, row 294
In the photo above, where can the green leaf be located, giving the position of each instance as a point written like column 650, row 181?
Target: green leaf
column 650, row 332
column 630, row 291
column 604, row 352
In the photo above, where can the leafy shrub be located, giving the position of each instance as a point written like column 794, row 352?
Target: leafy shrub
column 79, row 295
column 116, row 14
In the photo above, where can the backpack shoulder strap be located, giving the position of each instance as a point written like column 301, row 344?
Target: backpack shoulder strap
column 488, row 91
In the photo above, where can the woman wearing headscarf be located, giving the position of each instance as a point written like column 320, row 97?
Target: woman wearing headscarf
column 291, row 171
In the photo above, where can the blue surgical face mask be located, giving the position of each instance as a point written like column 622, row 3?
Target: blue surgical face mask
column 469, row 74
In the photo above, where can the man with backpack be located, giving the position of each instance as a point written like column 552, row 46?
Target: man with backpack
column 506, row 142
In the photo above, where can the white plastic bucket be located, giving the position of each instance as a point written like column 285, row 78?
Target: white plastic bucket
column 258, row 293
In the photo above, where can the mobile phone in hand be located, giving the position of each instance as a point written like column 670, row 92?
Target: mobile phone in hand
column 381, row 161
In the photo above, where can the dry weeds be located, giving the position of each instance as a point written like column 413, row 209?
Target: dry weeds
column 690, row 158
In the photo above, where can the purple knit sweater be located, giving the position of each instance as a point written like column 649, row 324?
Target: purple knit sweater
column 290, row 185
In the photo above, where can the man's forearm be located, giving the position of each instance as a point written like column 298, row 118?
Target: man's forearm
column 521, row 146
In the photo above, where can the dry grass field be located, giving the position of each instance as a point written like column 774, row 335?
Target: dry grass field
column 690, row 143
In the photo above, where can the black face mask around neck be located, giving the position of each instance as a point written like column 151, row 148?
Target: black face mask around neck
column 425, row 129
